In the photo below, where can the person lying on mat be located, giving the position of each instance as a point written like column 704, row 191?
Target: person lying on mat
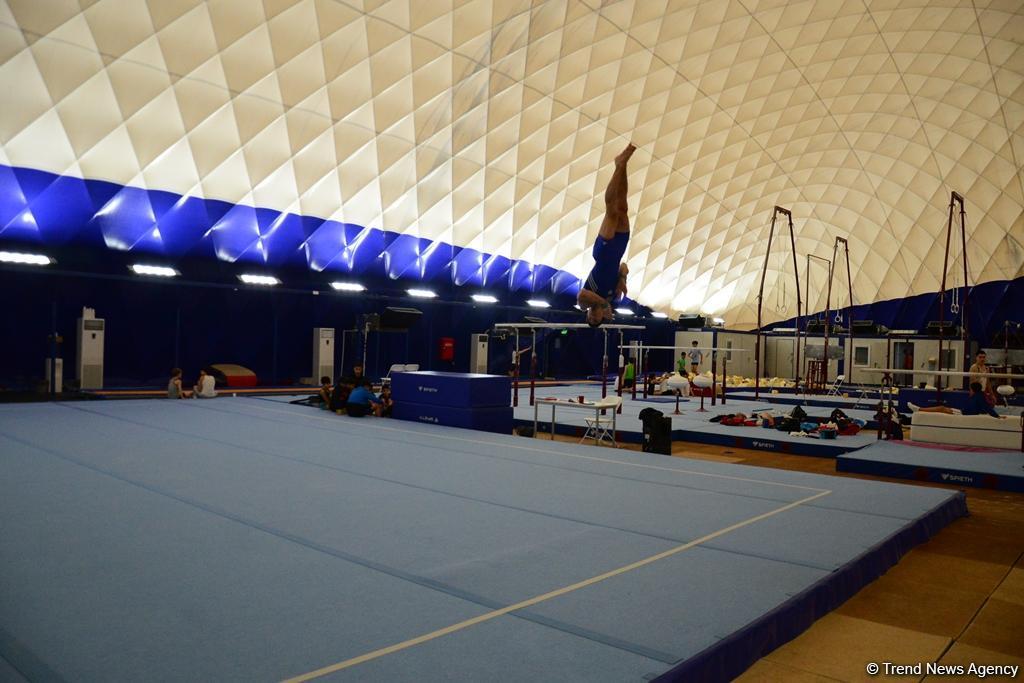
column 204, row 387
column 174, row 388
column 976, row 405
column 363, row 402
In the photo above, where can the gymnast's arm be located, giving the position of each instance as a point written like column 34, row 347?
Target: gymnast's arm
column 620, row 288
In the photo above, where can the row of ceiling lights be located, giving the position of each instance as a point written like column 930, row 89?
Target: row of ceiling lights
column 270, row 281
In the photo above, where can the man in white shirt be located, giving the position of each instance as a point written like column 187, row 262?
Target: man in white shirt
column 696, row 358
column 979, row 368
column 204, row 387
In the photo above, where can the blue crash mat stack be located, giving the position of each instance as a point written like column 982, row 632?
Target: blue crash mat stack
column 454, row 399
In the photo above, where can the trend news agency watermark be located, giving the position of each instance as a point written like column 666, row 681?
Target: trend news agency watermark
column 933, row 669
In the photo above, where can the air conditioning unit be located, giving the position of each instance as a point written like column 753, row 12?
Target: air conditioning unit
column 478, row 344
column 89, row 351
column 323, row 353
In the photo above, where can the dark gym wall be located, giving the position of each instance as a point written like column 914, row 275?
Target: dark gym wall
column 153, row 325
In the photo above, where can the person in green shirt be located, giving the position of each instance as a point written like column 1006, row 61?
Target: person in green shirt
column 681, row 363
column 628, row 374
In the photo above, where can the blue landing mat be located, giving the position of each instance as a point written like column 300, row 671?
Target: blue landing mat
column 1003, row 470
column 267, row 540
column 694, row 426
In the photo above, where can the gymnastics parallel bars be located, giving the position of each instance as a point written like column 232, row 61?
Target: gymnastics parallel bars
column 557, row 326
column 641, row 347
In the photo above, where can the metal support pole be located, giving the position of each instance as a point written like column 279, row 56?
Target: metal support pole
column 637, row 374
column 533, row 365
column 964, row 320
column 604, row 367
column 760, row 301
column 796, row 276
column 515, row 373
column 366, row 344
column 725, row 357
column 645, row 380
column 53, row 351
column 849, row 294
column 942, row 296
column 714, row 379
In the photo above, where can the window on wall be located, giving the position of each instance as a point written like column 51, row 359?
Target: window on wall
column 861, row 355
column 728, row 353
column 949, row 357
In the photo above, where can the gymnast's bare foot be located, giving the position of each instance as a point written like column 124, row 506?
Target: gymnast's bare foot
column 625, row 154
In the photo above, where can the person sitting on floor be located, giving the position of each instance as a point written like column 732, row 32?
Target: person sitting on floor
column 174, row 388
column 339, row 397
column 205, row 385
column 976, row 405
column 386, row 402
column 324, row 395
column 362, row 401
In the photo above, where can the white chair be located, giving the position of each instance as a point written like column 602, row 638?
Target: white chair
column 396, row 367
column 836, row 386
column 599, row 427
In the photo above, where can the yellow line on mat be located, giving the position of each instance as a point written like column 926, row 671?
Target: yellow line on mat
column 397, row 647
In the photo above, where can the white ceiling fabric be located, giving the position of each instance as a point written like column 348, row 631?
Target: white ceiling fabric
column 492, row 124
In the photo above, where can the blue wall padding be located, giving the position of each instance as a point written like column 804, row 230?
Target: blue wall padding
column 989, row 306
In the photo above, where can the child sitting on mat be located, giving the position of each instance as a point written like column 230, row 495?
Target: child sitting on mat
column 174, row 388
column 324, row 395
column 362, row 401
column 339, row 397
column 386, row 402
column 204, row 387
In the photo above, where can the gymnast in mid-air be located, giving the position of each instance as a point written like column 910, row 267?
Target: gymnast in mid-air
column 607, row 279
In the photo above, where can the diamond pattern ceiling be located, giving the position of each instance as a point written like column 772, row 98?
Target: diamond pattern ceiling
column 491, row 125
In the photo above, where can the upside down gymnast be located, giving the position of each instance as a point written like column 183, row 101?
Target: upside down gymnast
column 607, row 279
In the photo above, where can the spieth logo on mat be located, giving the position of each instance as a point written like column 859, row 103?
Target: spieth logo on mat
column 430, row 390
column 956, row 477
column 763, row 444
column 427, row 418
